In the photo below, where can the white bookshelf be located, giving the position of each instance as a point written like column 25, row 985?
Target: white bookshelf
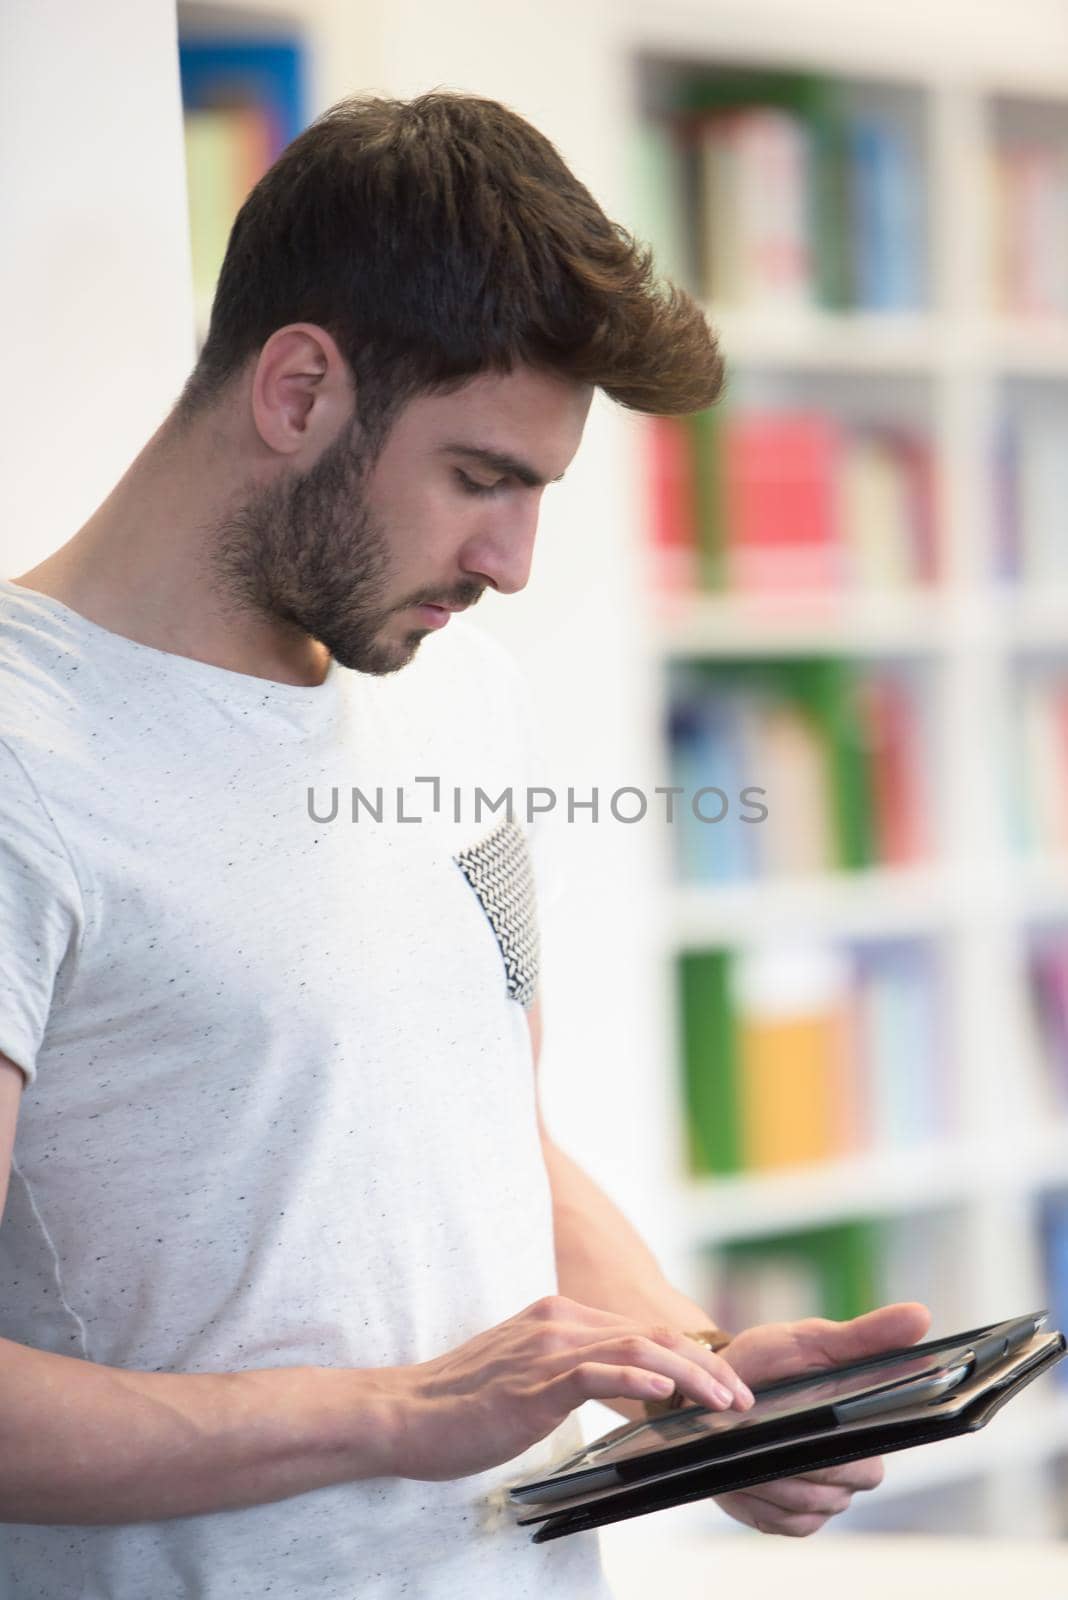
column 975, row 897
column 958, row 63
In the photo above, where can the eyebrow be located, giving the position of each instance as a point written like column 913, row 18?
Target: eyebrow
column 500, row 461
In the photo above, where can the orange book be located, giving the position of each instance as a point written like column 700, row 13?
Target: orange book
column 795, row 1083
column 791, row 1090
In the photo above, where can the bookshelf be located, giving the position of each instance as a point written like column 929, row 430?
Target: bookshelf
column 956, row 361
column 960, row 1217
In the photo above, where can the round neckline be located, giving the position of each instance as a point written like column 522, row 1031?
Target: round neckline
column 205, row 672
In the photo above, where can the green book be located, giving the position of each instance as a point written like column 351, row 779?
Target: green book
column 847, row 1253
column 841, row 1260
column 709, row 1063
column 706, row 436
column 818, row 103
column 834, row 689
column 659, row 213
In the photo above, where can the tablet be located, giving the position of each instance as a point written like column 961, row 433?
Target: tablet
column 802, row 1406
column 966, row 1410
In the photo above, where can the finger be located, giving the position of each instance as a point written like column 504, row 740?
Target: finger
column 867, row 1474
column 835, row 1343
column 689, row 1349
column 602, row 1380
column 745, row 1507
column 801, row 1496
column 791, row 1527
column 714, row 1365
column 691, row 1378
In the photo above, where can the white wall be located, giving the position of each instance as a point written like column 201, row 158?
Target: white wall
column 94, row 274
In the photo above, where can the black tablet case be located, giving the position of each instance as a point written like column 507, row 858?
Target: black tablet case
column 787, row 1460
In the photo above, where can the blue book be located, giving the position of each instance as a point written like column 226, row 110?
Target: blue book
column 705, row 754
column 1055, row 1252
column 268, row 72
column 886, row 220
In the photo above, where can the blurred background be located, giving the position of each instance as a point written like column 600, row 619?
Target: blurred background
column 820, row 1059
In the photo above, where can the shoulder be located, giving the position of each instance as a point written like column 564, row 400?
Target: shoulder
column 41, row 697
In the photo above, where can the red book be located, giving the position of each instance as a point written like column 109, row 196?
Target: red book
column 914, row 453
column 896, row 779
column 672, row 510
column 783, row 529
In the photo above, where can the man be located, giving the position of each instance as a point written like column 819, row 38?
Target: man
column 292, row 1277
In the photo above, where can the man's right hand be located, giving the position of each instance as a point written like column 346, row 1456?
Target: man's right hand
column 492, row 1398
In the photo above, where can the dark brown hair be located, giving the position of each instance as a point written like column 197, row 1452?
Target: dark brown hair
column 440, row 237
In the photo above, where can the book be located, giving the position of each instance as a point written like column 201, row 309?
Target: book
column 660, row 205
column 755, row 203
column 1038, row 488
column 1053, row 1233
column 1038, row 799
column 790, row 1001
column 780, row 504
column 1029, row 179
column 673, row 504
column 898, row 790
column 1048, row 995
column 814, row 104
column 901, row 1037
column 828, row 1271
column 709, row 1063
column 885, row 215
column 838, row 750
column 790, row 754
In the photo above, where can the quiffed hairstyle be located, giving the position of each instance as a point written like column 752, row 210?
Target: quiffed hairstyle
column 440, row 237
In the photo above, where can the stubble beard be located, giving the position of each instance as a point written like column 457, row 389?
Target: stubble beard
column 307, row 552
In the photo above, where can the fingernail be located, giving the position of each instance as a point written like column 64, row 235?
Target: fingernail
column 745, row 1395
column 721, row 1394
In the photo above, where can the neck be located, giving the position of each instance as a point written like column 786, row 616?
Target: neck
column 141, row 565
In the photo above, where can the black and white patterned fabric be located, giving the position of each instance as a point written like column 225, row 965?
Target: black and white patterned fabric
column 500, row 871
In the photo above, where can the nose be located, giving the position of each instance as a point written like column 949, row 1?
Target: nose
column 502, row 551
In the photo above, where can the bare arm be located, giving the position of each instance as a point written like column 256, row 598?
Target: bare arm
column 82, row 1443
column 601, row 1259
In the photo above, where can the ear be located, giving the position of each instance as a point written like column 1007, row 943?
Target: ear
column 302, row 390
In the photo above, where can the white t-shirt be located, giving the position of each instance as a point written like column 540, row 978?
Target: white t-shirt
column 280, row 1107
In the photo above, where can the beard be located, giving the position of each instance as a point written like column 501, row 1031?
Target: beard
column 306, row 552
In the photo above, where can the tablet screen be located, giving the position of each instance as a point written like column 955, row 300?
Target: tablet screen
column 697, row 1422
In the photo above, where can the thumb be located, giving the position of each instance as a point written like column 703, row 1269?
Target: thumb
column 827, row 1343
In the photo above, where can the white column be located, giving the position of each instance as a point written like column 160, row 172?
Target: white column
column 94, row 273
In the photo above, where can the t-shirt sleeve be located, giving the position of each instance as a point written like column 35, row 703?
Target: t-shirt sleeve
column 40, row 913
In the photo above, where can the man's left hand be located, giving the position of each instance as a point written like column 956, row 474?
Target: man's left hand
column 776, row 1350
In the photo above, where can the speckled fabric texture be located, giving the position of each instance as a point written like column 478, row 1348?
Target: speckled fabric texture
column 280, row 1107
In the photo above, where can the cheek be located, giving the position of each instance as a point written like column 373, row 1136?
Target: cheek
column 430, row 523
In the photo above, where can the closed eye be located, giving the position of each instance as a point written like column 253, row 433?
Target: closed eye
column 470, row 486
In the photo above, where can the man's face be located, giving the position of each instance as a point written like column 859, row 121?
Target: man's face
column 366, row 560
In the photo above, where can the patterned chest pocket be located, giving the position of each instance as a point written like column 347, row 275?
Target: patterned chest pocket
column 500, row 871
